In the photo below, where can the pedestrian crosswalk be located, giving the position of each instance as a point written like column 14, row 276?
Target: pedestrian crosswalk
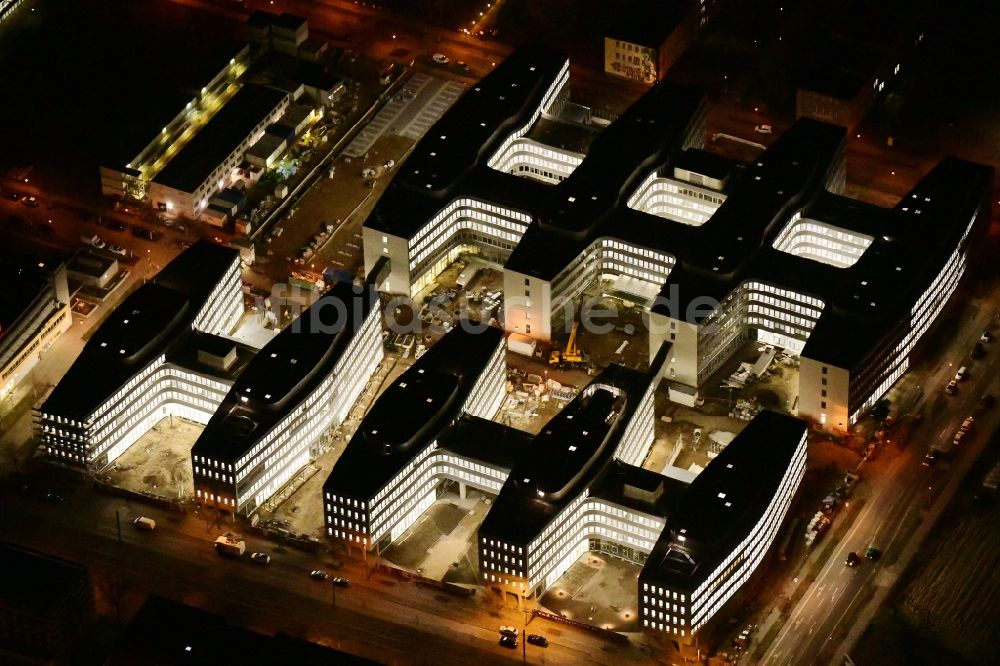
column 410, row 112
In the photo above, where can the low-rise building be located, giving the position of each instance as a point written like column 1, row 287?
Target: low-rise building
column 34, row 312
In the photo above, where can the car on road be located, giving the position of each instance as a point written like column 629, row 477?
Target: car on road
column 959, row 436
column 260, row 558
column 538, row 639
column 968, row 424
column 951, row 388
column 95, row 241
column 873, row 553
column 763, row 129
column 930, row 458
column 508, row 631
column 13, row 196
column 114, row 225
column 30, row 202
column 318, row 574
column 852, row 559
column 340, row 582
column 440, row 58
column 986, row 336
column 144, row 523
column 508, row 642
column 117, row 249
column 464, row 65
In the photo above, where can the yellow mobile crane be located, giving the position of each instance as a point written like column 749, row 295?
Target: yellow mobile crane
column 572, row 356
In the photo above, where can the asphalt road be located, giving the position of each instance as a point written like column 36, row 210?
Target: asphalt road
column 379, row 617
column 901, row 493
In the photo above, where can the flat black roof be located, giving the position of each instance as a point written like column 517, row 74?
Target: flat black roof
column 723, row 504
column 167, row 633
column 23, row 277
column 214, row 142
column 734, row 246
column 35, row 583
column 288, row 21
column 286, row 371
column 464, row 138
column 615, row 483
column 413, row 412
column 574, row 448
column 185, row 354
column 151, row 321
column 486, row 441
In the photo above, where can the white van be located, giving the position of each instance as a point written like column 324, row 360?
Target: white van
column 960, row 375
column 144, row 523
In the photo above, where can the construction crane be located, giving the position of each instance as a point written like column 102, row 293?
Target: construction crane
column 572, row 356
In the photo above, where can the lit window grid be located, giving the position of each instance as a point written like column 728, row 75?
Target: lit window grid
column 555, row 88
column 639, row 434
column 271, row 461
column 224, row 305
column 489, row 390
column 466, row 214
column 585, row 518
column 54, row 323
column 609, row 254
column 392, row 510
column 821, row 242
column 524, row 154
column 733, row 572
column 675, row 200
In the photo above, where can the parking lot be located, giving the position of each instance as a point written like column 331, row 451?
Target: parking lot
column 599, row 590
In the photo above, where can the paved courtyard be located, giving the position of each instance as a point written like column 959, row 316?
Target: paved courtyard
column 441, row 545
column 599, row 590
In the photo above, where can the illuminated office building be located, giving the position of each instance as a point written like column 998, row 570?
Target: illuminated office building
column 723, row 525
column 300, row 385
column 720, row 254
column 160, row 353
column 389, row 473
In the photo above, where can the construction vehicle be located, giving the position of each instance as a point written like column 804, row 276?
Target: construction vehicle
column 572, row 356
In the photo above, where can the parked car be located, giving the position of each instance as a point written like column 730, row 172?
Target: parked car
column 986, row 337
column 318, row 574
column 968, row 424
column 260, row 558
column 873, row 553
column 440, row 58
column 508, row 631
column 978, row 350
column 117, row 249
column 930, row 458
column 54, row 497
column 951, row 388
column 508, row 642
column 852, row 559
column 340, row 582
column 30, row 202
column 536, row 639
column 763, row 129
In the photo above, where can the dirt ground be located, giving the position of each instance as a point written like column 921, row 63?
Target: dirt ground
column 300, row 502
column 598, row 589
column 159, row 463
